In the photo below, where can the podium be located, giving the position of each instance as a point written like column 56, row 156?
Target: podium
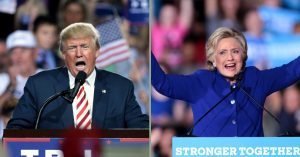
column 48, row 143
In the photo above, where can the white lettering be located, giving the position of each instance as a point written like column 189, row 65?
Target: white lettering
column 57, row 153
column 30, row 153
column 178, row 151
column 218, row 151
column 266, row 151
column 273, row 149
column 281, row 150
column 88, row 153
column 296, row 151
column 209, row 151
column 201, row 151
column 242, row 151
column 289, row 151
column 186, row 150
column 258, row 151
column 226, row 151
column 249, row 151
column 194, row 151
column 233, row 151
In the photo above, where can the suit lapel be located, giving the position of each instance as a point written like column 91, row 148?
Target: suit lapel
column 63, row 84
column 101, row 96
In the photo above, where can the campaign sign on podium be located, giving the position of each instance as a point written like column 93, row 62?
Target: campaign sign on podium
column 49, row 143
column 236, row 146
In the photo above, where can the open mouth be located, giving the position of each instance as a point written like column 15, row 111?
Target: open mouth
column 230, row 66
column 80, row 65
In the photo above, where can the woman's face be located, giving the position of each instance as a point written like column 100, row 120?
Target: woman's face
column 229, row 57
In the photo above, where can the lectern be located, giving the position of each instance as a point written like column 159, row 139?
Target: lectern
column 48, row 143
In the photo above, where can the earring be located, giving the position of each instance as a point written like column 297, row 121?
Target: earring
column 214, row 64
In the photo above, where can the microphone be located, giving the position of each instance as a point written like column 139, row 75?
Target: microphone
column 239, row 78
column 68, row 95
column 258, row 105
column 79, row 81
column 64, row 93
column 232, row 89
column 286, row 133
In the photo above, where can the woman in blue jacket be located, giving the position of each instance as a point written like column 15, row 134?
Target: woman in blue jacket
column 228, row 78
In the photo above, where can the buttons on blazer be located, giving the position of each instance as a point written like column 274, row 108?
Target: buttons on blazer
column 103, row 91
column 234, row 86
column 233, row 122
column 232, row 102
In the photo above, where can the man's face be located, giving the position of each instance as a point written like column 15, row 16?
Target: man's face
column 23, row 58
column 80, row 55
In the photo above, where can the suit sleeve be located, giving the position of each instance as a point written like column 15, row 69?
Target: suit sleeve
column 281, row 77
column 24, row 115
column 181, row 87
column 133, row 115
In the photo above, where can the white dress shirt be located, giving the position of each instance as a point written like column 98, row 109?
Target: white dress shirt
column 89, row 87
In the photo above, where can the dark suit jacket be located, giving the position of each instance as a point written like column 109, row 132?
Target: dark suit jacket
column 115, row 108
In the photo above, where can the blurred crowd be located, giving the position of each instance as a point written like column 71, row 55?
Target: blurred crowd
column 179, row 30
column 29, row 43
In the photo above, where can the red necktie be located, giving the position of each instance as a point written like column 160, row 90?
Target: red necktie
column 83, row 116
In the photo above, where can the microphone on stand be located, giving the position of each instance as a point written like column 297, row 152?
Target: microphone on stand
column 232, row 89
column 79, row 81
column 68, row 95
column 239, row 78
column 286, row 133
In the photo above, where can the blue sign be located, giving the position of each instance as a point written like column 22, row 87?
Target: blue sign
column 278, row 20
column 283, row 49
column 236, row 146
column 138, row 11
column 48, row 147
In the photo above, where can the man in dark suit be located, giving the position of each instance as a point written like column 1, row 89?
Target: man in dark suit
column 107, row 100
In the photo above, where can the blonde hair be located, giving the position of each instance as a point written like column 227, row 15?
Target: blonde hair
column 215, row 38
column 79, row 30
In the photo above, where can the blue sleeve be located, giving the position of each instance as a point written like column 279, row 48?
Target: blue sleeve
column 24, row 115
column 175, row 86
column 281, row 77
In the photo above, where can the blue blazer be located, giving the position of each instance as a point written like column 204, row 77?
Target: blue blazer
column 116, row 108
column 237, row 115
